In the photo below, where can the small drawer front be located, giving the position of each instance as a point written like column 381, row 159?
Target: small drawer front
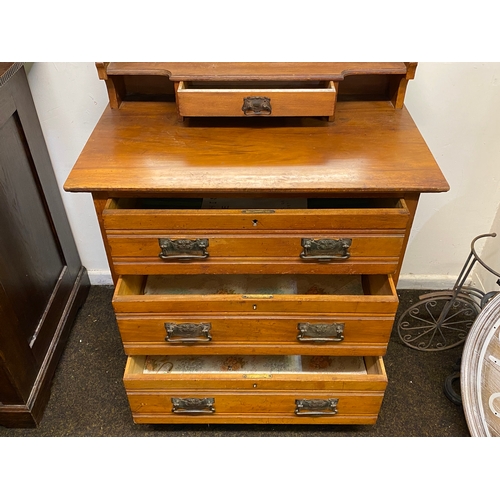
column 364, row 214
column 256, row 294
column 347, row 335
column 298, row 390
column 248, row 102
column 343, row 252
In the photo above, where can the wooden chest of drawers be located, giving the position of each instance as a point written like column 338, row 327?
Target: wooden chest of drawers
column 234, row 243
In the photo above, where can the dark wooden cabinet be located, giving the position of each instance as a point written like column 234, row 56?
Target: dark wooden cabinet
column 42, row 281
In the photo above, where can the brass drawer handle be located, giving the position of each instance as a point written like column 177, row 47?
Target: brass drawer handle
column 325, row 249
column 183, row 248
column 188, row 332
column 315, row 407
column 193, row 405
column 257, row 106
column 321, row 332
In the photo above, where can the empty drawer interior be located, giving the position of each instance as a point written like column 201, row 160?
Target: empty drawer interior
column 255, row 203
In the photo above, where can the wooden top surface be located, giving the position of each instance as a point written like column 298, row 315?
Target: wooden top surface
column 369, row 148
column 249, row 71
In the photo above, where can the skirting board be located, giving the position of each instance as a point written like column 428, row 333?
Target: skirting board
column 430, row 282
column 100, row 277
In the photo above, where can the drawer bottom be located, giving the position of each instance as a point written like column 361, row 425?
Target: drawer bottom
column 294, row 390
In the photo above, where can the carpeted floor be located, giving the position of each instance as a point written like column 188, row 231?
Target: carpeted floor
column 88, row 397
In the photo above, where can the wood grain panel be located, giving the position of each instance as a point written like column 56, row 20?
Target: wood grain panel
column 363, row 335
column 229, row 102
column 251, row 71
column 370, row 148
column 255, row 245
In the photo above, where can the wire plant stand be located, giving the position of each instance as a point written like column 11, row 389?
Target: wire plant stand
column 441, row 320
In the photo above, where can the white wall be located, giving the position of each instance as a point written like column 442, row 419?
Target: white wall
column 491, row 257
column 457, row 109
column 455, row 105
column 70, row 99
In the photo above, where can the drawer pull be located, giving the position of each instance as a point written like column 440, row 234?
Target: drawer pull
column 188, row 332
column 315, row 407
column 183, row 248
column 256, row 106
column 326, row 249
column 321, row 332
column 193, row 405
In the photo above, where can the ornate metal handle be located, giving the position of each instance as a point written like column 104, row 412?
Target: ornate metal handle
column 316, row 407
column 183, row 248
column 193, row 405
column 256, row 106
column 321, row 332
column 188, row 332
column 325, row 250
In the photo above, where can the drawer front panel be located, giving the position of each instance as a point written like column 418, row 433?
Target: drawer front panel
column 263, row 294
column 264, row 407
column 255, row 102
column 122, row 215
column 344, row 253
column 327, row 335
column 237, row 245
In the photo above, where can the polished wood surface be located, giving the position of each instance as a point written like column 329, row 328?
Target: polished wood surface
column 257, row 334
column 139, row 254
column 229, row 102
column 142, row 148
column 251, row 71
column 267, row 407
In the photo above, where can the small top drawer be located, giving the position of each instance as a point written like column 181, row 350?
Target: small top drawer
column 262, row 99
column 181, row 214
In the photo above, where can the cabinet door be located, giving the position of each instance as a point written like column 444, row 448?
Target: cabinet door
column 39, row 264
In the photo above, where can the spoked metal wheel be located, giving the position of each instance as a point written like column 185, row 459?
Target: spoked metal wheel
column 438, row 322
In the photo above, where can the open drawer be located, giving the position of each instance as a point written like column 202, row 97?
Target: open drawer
column 265, row 314
column 255, row 389
column 256, row 294
column 256, row 99
column 269, row 214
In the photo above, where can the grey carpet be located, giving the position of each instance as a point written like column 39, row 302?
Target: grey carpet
column 88, row 397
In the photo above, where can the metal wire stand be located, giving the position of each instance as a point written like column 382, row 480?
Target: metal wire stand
column 441, row 320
